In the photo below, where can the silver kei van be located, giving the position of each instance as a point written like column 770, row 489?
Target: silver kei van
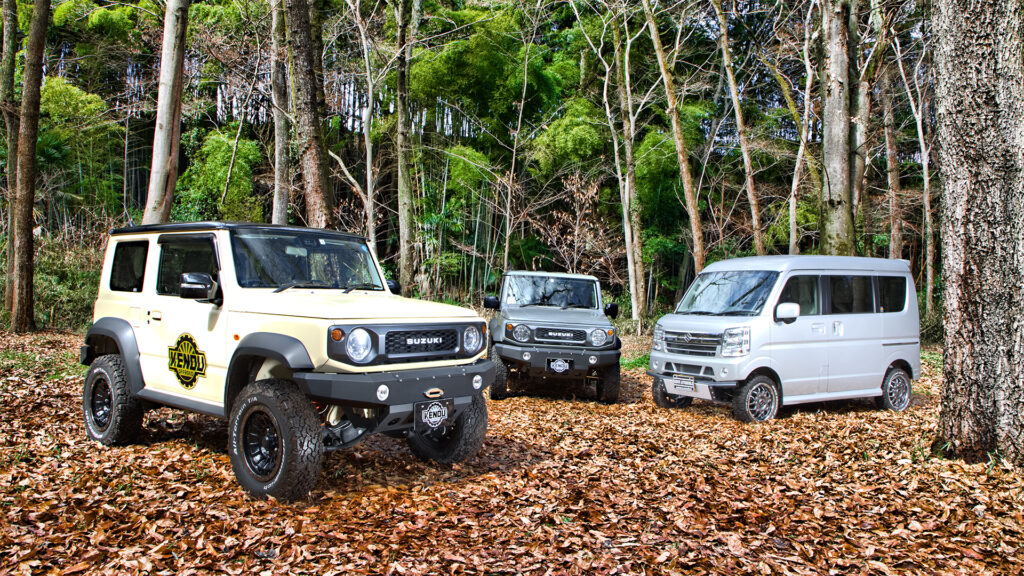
column 759, row 333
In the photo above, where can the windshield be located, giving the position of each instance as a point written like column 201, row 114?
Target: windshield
column 728, row 293
column 284, row 259
column 544, row 291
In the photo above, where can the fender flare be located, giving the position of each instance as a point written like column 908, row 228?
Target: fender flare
column 284, row 349
column 122, row 333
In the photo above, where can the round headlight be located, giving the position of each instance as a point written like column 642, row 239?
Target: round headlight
column 471, row 340
column 598, row 337
column 359, row 346
column 521, row 333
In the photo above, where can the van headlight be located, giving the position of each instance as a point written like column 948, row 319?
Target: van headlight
column 359, row 346
column 736, row 342
column 659, row 338
column 472, row 340
column 598, row 337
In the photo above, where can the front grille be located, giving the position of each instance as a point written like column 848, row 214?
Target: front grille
column 421, row 341
column 692, row 343
column 691, row 369
column 561, row 335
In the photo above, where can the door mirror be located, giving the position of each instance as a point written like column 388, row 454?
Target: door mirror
column 492, row 303
column 787, row 312
column 394, row 287
column 198, row 286
column 611, row 310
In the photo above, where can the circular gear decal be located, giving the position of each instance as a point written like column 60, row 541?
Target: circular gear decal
column 187, row 361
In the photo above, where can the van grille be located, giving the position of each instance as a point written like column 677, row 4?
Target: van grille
column 561, row 335
column 419, row 341
column 692, row 343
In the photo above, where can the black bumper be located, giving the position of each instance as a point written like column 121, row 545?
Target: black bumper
column 540, row 355
column 405, row 388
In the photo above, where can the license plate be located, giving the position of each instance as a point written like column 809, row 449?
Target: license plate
column 430, row 415
column 559, row 366
column 681, row 381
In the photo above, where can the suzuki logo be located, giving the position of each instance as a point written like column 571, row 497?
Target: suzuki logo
column 559, row 334
column 421, row 341
column 686, row 337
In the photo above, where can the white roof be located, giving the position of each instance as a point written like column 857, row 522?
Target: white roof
column 549, row 274
column 787, row 263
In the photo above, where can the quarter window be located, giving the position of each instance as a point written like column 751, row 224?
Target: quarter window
column 802, row 290
column 892, row 293
column 851, row 294
column 129, row 267
column 180, row 256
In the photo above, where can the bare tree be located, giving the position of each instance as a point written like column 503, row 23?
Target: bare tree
column 407, row 16
column 9, row 108
column 279, row 91
column 892, row 162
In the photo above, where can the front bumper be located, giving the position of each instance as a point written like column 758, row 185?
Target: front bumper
column 405, row 389
column 540, row 356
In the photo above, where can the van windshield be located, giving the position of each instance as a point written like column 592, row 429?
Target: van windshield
column 740, row 293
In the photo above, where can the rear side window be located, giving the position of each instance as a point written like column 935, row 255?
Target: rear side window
column 180, row 256
column 802, row 290
column 851, row 294
column 892, row 293
column 129, row 268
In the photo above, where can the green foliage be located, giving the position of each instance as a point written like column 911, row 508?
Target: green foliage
column 469, row 169
column 68, row 106
column 65, row 283
column 635, row 363
column 579, row 135
column 199, row 190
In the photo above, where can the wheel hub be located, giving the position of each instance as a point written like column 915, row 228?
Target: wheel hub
column 101, row 404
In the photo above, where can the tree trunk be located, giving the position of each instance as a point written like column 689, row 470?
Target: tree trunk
column 22, row 316
column 741, row 127
column 9, row 108
column 980, row 105
column 892, row 162
column 407, row 24
column 279, row 90
column 682, row 155
column 163, row 175
column 837, row 225
column 319, row 205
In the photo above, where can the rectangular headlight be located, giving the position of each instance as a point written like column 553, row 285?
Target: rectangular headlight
column 659, row 337
column 736, row 342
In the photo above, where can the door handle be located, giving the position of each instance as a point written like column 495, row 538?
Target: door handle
column 156, row 315
column 818, row 328
column 837, row 328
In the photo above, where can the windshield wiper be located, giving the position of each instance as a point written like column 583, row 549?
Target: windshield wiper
column 302, row 284
column 700, row 313
column 534, row 304
column 576, row 306
column 363, row 286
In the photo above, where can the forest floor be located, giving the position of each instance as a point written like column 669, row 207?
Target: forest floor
column 564, row 485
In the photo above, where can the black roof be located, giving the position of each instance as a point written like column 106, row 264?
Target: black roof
column 209, row 226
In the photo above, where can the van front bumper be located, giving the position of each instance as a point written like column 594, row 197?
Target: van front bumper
column 539, row 358
column 692, row 387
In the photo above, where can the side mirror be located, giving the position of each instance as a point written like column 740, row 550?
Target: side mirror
column 492, row 303
column 611, row 310
column 787, row 312
column 198, row 286
column 394, row 287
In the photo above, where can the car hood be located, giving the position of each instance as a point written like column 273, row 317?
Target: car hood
column 556, row 316
column 706, row 324
column 334, row 305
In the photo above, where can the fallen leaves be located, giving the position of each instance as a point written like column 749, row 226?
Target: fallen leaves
column 562, row 486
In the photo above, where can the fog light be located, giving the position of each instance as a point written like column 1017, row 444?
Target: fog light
column 654, row 365
column 724, row 371
column 382, row 392
column 478, row 381
column 593, row 359
column 526, row 355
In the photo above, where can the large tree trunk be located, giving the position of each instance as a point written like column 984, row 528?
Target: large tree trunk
column 163, row 175
column 9, row 108
column 837, row 235
column 741, row 127
column 22, row 316
column 279, row 91
column 980, row 105
column 318, row 194
column 892, row 162
column 407, row 24
column 682, row 155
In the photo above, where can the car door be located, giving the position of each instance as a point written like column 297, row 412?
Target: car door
column 800, row 348
column 854, row 329
column 185, row 343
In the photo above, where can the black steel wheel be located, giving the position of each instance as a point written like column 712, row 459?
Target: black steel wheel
column 757, row 400
column 112, row 413
column 102, row 403
column 261, row 442
column 455, row 442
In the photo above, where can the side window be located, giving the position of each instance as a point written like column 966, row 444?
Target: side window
column 129, row 268
column 892, row 293
column 802, row 290
column 851, row 294
column 180, row 256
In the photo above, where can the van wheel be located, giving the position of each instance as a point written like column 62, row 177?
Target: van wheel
column 608, row 385
column 665, row 400
column 113, row 416
column 454, row 442
column 757, row 400
column 275, row 440
column 896, row 390
column 499, row 389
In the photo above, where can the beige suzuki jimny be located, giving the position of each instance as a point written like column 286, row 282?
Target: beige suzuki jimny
column 291, row 334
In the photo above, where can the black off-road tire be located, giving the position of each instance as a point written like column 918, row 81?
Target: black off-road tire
column 897, row 390
column 113, row 415
column 455, row 443
column 499, row 389
column 275, row 440
column 665, row 400
column 757, row 401
column 608, row 384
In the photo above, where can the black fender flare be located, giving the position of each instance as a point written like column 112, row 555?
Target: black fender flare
column 123, row 335
column 285, row 349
